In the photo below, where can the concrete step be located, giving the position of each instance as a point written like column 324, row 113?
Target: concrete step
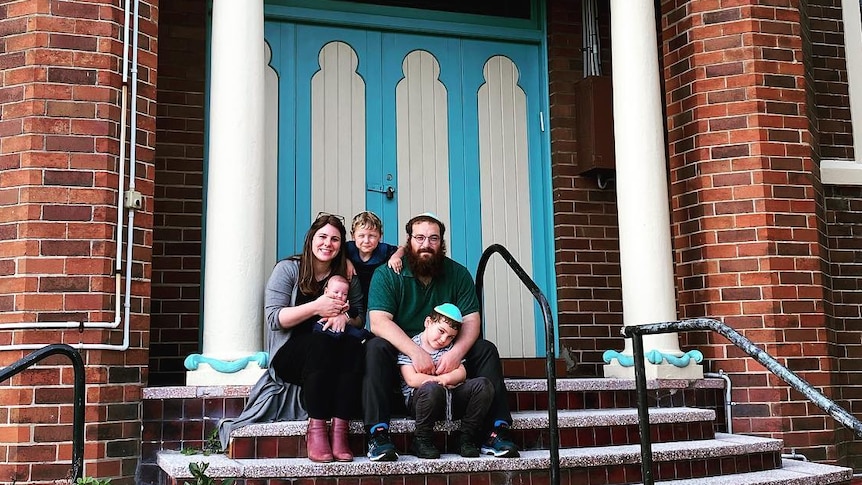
column 724, row 455
column 566, row 418
column 792, row 472
column 577, row 428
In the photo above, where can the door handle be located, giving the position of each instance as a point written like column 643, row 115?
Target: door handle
column 389, row 191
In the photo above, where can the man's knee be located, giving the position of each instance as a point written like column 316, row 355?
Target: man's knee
column 378, row 346
column 379, row 352
column 483, row 349
column 483, row 360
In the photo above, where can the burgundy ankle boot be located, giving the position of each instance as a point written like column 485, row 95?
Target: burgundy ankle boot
column 317, row 441
column 340, row 447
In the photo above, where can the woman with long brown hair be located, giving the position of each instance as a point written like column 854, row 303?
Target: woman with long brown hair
column 308, row 345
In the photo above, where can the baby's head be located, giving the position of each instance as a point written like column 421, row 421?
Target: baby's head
column 442, row 325
column 337, row 287
column 366, row 230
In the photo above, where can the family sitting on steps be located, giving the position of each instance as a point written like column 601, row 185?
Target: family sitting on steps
column 425, row 324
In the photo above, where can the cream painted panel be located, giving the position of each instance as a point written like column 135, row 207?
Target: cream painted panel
column 270, row 160
column 422, row 129
column 505, row 194
column 337, row 133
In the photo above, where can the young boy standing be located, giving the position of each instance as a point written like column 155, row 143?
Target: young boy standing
column 366, row 252
column 427, row 395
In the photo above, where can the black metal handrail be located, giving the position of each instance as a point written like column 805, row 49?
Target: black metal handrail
column 636, row 333
column 78, row 414
column 550, row 358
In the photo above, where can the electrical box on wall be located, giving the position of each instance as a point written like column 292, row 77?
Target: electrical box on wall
column 595, row 125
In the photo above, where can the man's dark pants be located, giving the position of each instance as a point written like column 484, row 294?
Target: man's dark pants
column 382, row 377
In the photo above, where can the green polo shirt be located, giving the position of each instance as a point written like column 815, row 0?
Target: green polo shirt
column 409, row 301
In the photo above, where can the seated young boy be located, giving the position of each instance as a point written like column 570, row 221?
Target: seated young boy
column 426, row 395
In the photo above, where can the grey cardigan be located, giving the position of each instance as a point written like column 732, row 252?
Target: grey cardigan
column 271, row 399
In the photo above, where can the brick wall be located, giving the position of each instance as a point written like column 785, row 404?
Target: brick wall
column 179, row 190
column 747, row 230
column 844, row 215
column 585, row 217
column 59, row 146
column 828, row 74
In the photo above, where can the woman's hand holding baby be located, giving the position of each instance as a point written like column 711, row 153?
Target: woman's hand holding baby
column 330, row 307
column 333, row 312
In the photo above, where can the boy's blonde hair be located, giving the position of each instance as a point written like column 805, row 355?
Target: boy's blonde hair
column 366, row 220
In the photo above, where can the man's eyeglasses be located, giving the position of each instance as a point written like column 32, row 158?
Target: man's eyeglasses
column 327, row 215
column 421, row 238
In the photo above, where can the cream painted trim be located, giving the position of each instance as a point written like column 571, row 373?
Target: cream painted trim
column 270, row 226
column 840, row 172
column 505, row 194
column 422, row 139
column 853, row 51
column 337, row 133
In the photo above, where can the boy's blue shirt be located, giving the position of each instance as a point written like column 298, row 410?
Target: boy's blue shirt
column 365, row 269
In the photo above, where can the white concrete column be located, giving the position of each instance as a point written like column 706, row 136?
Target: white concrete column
column 646, row 260
column 234, row 231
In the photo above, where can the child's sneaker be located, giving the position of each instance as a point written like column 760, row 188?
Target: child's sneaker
column 499, row 444
column 380, row 447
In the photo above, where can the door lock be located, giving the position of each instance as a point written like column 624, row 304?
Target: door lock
column 389, row 191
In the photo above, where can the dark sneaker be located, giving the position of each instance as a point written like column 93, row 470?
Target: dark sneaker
column 380, row 447
column 423, row 447
column 467, row 448
column 499, row 444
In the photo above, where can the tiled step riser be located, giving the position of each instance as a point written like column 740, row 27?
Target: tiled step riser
column 528, row 439
column 188, row 422
column 619, row 474
column 616, row 399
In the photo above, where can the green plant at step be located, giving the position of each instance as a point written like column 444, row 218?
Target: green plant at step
column 92, row 481
column 200, row 476
column 211, row 445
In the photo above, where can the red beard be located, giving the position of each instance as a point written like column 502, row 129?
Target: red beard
column 423, row 266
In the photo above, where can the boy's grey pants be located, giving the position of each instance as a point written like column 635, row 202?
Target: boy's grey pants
column 470, row 402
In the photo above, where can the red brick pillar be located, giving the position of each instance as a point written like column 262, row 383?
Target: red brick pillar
column 746, row 205
column 60, row 130
column 589, row 297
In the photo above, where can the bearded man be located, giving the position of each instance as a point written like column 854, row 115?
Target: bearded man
column 398, row 305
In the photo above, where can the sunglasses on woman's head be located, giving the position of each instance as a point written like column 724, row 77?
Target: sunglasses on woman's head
column 326, row 215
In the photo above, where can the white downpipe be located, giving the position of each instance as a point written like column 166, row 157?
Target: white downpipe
column 118, row 268
column 728, row 400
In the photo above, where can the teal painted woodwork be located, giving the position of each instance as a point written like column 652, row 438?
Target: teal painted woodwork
column 381, row 50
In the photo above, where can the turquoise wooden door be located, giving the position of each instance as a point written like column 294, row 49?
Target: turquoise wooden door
column 401, row 123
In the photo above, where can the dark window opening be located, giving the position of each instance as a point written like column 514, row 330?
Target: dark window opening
column 516, row 9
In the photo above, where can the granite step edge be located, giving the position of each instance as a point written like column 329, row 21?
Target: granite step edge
column 513, row 384
column 792, row 472
column 176, row 464
column 575, row 418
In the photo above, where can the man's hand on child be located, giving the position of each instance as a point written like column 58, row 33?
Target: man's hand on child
column 422, row 362
column 447, row 363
